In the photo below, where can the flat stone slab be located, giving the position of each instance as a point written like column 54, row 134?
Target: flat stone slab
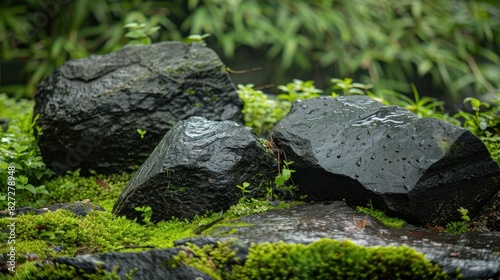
column 477, row 255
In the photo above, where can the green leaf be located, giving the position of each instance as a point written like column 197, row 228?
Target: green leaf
column 30, row 188
column 279, row 181
column 22, row 180
column 286, row 174
column 483, row 124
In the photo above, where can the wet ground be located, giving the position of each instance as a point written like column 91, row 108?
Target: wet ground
column 477, row 255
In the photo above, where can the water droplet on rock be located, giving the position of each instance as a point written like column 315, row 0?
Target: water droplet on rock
column 358, row 163
column 373, row 156
column 421, row 143
column 358, row 137
column 356, row 175
column 329, row 153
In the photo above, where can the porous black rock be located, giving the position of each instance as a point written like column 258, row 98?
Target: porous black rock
column 196, row 168
column 357, row 149
column 153, row 264
column 90, row 109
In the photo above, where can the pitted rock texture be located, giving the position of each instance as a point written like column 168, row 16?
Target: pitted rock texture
column 357, row 149
column 196, row 168
column 90, row 109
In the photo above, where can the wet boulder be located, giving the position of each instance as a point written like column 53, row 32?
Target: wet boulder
column 108, row 112
column 196, row 168
column 357, row 149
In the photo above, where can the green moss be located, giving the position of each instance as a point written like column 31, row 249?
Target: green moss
column 382, row 217
column 323, row 259
column 101, row 189
column 97, row 232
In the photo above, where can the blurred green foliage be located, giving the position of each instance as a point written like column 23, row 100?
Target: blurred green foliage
column 452, row 45
column 41, row 35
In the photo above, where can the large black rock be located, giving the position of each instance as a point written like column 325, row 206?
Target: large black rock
column 90, row 109
column 196, row 168
column 357, row 149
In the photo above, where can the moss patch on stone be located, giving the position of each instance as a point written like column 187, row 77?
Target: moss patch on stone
column 323, row 259
column 382, row 217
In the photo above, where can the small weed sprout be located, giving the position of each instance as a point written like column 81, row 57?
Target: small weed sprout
column 141, row 132
column 347, row 87
column 243, row 187
column 147, row 212
column 200, row 39
column 140, row 32
column 284, row 175
column 461, row 226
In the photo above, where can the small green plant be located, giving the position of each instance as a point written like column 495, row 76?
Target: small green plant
column 479, row 121
column 260, row 110
column 141, row 132
column 284, row 175
column 147, row 212
column 461, row 226
column 298, row 90
column 140, row 32
column 348, row 87
column 424, row 107
column 243, row 188
column 200, row 39
column 484, row 122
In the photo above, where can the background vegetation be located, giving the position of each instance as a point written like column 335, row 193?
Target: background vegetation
column 448, row 48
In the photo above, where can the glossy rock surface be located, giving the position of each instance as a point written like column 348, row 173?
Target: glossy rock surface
column 357, row 149
column 196, row 168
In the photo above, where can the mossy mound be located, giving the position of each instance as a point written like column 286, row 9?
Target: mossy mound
column 322, row 259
